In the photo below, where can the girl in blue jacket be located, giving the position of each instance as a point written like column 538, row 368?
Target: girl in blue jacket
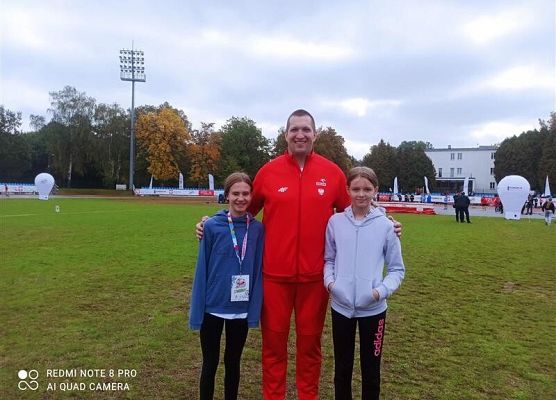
column 359, row 242
column 227, row 289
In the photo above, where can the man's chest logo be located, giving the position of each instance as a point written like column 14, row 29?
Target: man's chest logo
column 321, row 184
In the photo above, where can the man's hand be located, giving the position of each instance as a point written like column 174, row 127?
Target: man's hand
column 199, row 229
column 397, row 226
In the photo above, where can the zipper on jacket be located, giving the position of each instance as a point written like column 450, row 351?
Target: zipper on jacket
column 299, row 188
column 354, row 268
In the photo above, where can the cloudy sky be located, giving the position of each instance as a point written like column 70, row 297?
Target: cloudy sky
column 464, row 73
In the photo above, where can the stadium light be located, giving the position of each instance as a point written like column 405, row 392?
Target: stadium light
column 132, row 68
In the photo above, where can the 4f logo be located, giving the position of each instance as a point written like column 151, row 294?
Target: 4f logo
column 28, row 379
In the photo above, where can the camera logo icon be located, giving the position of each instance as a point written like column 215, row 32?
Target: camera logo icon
column 28, row 379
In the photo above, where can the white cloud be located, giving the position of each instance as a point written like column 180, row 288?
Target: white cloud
column 357, row 149
column 487, row 28
column 513, row 79
column 20, row 29
column 293, row 48
column 269, row 129
column 523, row 77
column 360, row 106
column 47, row 30
column 20, row 94
column 496, row 131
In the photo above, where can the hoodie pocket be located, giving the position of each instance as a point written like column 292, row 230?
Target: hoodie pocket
column 216, row 294
column 342, row 292
column 364, row 293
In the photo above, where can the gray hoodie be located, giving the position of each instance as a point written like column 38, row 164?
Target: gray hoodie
column 355, row 254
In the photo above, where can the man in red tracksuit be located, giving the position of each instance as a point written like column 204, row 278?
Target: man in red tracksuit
column 299, row 192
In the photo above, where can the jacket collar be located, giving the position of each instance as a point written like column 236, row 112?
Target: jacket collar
column 292, row 159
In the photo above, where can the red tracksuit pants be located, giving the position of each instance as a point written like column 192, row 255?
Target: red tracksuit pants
column 309, row 300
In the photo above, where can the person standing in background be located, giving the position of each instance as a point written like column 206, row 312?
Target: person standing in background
column 548, row 207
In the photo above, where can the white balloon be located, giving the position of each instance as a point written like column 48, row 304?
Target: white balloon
column 513, row 191
column 44, row 183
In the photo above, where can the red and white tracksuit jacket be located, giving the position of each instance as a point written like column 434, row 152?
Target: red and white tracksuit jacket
column 297, row 205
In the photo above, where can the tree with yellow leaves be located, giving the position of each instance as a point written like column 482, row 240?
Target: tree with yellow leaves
column 204, row 154
column 165, row 138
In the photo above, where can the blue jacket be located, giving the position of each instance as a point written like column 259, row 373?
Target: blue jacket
column 217, row 262
column 355, row 254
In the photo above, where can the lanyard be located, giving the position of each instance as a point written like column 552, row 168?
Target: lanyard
column 234, row 239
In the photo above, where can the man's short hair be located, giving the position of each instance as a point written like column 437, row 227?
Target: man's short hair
column 301, row 113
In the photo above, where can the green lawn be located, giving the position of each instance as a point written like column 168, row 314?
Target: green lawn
column 104, row 284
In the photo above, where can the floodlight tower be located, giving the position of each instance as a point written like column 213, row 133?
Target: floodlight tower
column 132, row 68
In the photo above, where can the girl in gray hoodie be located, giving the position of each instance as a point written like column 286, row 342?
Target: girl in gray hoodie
column 359, row 242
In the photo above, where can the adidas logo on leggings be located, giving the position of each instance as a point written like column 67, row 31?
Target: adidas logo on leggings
column 378, row 337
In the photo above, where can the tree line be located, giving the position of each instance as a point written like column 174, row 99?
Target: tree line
column 532, row 155
column 86, row 144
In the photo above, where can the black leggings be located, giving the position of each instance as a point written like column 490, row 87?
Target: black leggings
column 371, row 336
column 236, row 334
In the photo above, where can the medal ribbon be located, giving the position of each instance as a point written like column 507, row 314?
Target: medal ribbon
column 234, row 239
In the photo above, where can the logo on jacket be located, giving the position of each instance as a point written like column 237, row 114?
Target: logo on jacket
column 322, row 182
column 283, row 189
column 321, row 191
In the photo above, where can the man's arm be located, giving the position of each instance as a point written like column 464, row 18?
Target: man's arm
column 199, row 227
column 397, row 226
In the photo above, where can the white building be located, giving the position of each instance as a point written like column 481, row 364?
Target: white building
column 453, row 165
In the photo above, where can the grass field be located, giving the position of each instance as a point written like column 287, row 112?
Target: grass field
column 104, row 284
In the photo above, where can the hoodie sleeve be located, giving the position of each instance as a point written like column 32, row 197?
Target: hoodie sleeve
column 198, row 292
column 329, row 255
column 255, row 305
column 394, row 264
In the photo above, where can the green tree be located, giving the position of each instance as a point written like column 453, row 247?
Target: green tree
column 279, row 145
column 244, row 148
column 74, row 110
column 382, row 159
column 10, row 121
column 55, row 135
column 111, row 132
column 37, row 122
column 38, row 154
column 331, row 145
column 14, row 150
column 547, row 162
column 520, row 155
column 414, row 165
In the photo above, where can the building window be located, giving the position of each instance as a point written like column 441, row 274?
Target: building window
column 452, row 156
column 492, row 185
column 459, row 172
column 492, row 172
column 492, row 156
column 460, row 155
column 440, row 172
column 451, row 172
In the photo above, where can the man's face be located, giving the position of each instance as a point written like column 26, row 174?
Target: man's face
column 300, row 135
